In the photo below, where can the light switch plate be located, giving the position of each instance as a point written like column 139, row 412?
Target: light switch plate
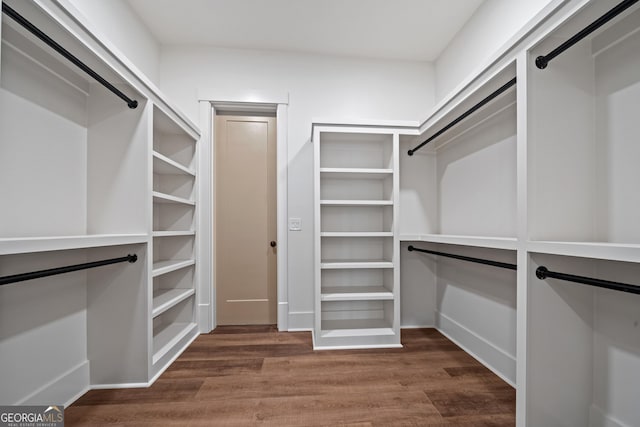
column 295, row 224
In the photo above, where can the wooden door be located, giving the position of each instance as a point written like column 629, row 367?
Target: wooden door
column 245, row 220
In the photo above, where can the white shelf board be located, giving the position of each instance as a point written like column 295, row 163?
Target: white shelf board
column 173, row 233
column 355, row 173
column 164, row 267
column 164, row 299
column 339, row 264
column 355, row 327
column 21, row 245
column 356, row 202
column 171, row 335
column 597, row 250
column 355, row 293
column 166, row 198
column 166, row 166
column 356, row 234
column 509, row 243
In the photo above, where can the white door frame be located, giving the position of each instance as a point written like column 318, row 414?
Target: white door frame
column 253, row 101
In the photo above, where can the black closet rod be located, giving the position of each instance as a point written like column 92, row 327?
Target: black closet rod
column 467, row 258
column 132, row 103
column 542, row 273
column 61, row 270
column 543, row 60
column 466, row 114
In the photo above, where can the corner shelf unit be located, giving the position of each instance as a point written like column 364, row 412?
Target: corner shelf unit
column 356, row 243
column 92, row 177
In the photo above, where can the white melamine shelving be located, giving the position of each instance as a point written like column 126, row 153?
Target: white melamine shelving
column 355, row 173
column 586, row 371
column 356, row 277
column 583, row 209
column 165, row 166
column 336, row 264
column 74, row 175
column 356, row 234
column 164, row 267
column 165, row 299
column 356, row 202
column 474, row 241
column 356, row 328
column 174, row 268
column 167, row 198
column 595, row 250
column 173, row 233
column 583, row 131
column 10, row 246
column 458, row 196
column 355, row 293
column 165, row 341
column 463, row 183
column 87, row 184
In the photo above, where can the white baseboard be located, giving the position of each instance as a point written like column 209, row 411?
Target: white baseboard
column 431, row 326
column 597, row 418
column 119, row 385
column 300, row 321
column 494, row 358
column 205, row 324
column 65, row 389
column 283, row 316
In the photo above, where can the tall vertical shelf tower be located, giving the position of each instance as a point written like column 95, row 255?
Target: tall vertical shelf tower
column 356, row 242
column 173, row 271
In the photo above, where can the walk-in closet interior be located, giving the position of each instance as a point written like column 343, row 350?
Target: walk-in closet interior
column 497, row 210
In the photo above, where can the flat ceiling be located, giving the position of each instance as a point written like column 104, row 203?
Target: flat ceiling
column 415, row 30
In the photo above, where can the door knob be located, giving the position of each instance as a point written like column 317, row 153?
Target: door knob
column 273, row 244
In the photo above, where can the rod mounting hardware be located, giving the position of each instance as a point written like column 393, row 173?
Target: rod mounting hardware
column 543, row 60
column 542, row 273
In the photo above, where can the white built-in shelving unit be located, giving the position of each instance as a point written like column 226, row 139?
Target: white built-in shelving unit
column 357, row 292
column 543, row 176
column 174, row 239
column 583, row 209
column 86, row 178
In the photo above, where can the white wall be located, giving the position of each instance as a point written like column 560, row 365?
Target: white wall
column 493, row 24
column 117, row 21
column 319, row 87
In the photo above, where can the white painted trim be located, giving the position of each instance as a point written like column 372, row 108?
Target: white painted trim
column 246, row 101
column 429, row 326
column 282, row 208
column 408, row 127
column 495, row 358
column 598, row 418
column 204, row 318
column 204, row 235
column 356, row 347
column 224, row 95
column 174, row 357
column 62, row 388
column 119, row 385
column 301, row 321
column 522, row 227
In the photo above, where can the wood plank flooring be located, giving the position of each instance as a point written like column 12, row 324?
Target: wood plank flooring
column 243, row 376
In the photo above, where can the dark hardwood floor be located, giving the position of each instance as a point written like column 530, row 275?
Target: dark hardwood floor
column 239, row 376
